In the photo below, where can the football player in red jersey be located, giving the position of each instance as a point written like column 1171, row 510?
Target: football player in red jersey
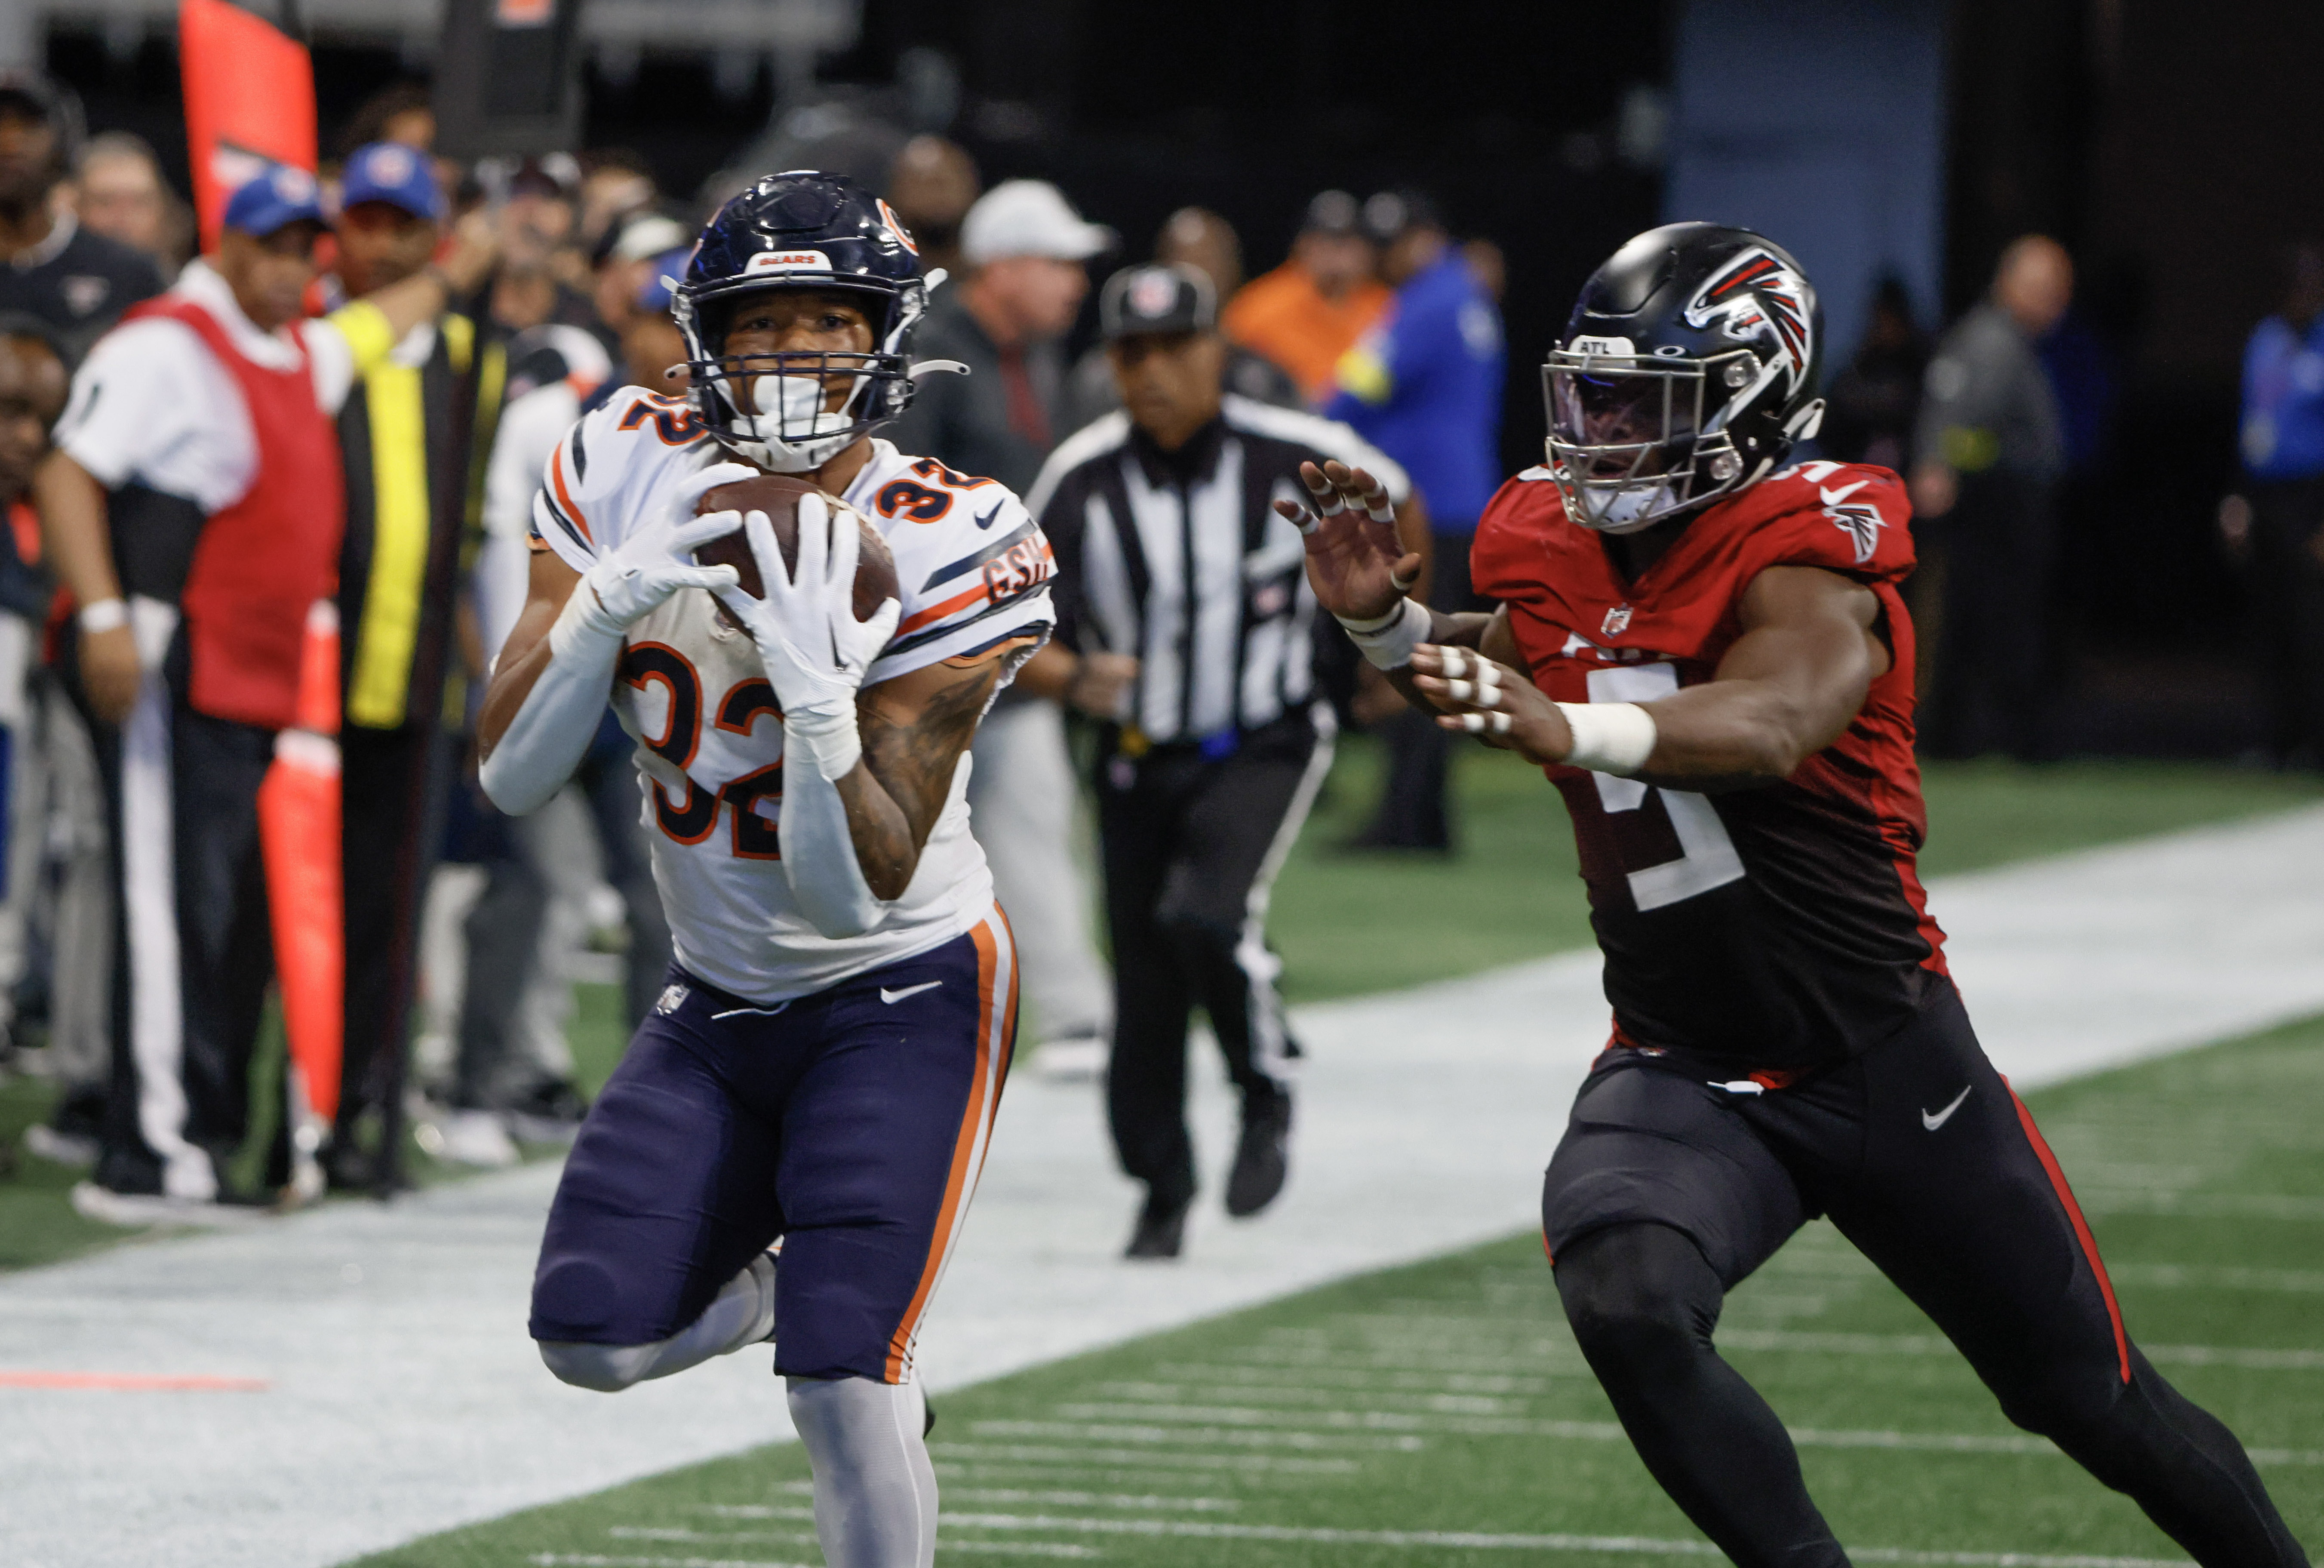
column 1706, row 654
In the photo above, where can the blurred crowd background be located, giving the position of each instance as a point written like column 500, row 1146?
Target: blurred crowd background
column 2066, row 249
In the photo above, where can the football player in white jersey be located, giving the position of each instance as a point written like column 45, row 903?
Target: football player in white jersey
column 823, row 1069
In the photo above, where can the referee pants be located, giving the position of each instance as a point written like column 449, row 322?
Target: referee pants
column 196, row 951
column 1192, row 838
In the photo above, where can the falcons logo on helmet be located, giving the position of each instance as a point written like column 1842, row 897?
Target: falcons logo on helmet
column 1757, row 296
column 1861, row 524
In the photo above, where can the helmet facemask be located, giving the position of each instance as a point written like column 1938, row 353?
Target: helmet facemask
column 1635, row 438
column 777, row 410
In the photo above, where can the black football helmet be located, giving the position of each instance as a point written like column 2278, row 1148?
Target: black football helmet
column 1687, row 372
column 800, row 229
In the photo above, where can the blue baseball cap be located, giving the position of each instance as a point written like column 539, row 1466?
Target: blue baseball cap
column 662, row 272
column 277, row 199
column 391, row 173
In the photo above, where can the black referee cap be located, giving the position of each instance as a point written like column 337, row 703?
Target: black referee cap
column 1160, row 297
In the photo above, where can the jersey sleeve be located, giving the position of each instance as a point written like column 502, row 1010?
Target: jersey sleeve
column 1851, row 519
column 976, row 580
column 594, row 482
column 145, row 406
column 1505, row 557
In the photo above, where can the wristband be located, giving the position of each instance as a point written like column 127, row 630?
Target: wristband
column 829, row 739
column 584, row 627
column 1608, row 737
column 1387, row 642
column 105, row 615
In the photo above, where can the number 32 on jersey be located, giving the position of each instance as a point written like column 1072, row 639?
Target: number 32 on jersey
column 693, row 817
column 1707, row 857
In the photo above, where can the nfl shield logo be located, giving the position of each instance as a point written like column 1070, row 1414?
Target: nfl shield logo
column 673, row 997
column 1618, row 621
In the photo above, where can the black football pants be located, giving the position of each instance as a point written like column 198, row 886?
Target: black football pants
column 1669, row 1189
column 1190, row 846
column 392, row 805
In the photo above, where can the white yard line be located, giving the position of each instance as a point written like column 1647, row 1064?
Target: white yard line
column 404, row 1399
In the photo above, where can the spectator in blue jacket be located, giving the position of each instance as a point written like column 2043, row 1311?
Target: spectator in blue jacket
column 2277, row 522
column 1423, row 385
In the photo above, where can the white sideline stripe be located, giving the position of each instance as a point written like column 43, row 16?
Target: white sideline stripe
column 678, row 1535
column 594, row 1560
column 2205, row 1205
column 2069, row 964
column 1086, row 1458
column 2180, row 1277
column 1470, row 1540
column 1086, row 1499
column 1935, row 1345
column 1202, row 1436
column 1229, row 1423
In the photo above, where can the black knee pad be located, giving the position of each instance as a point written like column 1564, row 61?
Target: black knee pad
column 1638, row 1295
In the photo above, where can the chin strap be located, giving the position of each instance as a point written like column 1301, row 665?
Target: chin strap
column 921, row 367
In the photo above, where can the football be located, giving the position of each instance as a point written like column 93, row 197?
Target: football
column 778, row 495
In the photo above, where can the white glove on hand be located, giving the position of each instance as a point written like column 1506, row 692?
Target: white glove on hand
column 816, row 651
column 657, row 560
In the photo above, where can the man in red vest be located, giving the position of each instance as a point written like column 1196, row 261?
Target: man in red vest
column 193, row 510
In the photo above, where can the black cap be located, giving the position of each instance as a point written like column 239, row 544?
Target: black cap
column 50, row 100
column 1392, row 213
column 1159, row 297
column 1333, row 212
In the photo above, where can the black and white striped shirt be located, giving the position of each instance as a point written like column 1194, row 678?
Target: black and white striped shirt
column 1179, row 559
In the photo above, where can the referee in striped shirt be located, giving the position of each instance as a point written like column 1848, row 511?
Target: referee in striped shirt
column 1169, row 553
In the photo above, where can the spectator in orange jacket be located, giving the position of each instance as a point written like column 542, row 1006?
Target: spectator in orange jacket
column 1310, row 310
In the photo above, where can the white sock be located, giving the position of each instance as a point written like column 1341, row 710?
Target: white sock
column 741, row 1313
column 875, row 1491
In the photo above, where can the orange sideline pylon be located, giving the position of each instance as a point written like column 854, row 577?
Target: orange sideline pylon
column 298, row 825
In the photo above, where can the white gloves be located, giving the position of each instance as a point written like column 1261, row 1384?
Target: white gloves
column 657, row 561
column 816, row 651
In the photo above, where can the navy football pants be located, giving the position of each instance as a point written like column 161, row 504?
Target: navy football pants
column 850, row 1124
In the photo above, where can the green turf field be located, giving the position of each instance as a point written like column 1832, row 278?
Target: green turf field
column 1508, row 893
column 1440, row 1414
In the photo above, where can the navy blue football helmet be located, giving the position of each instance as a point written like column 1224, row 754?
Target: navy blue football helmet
column 1688, row 372
column 800, row 229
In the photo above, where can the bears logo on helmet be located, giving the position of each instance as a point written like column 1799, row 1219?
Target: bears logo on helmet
column 798, row 230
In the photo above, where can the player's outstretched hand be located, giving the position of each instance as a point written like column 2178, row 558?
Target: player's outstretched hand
column 645, row 569
column 1355, row 562
column 1486, row 698
column 816, row 651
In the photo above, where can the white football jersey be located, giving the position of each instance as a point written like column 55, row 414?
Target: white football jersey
column 974, row 571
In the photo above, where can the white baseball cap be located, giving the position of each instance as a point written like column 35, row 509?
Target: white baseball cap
column 1028, row 218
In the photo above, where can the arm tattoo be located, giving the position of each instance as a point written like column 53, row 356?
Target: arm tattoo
column 909, row 763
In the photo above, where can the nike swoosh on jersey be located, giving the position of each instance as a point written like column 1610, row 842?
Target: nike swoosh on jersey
column 1834, row 497
column 892, row 996
column 1940, row 1117
column 986, row 520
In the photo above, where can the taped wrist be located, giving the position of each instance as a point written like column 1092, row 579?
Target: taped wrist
column 1388, row 641
column 827, row 736
column 558, row 717
column 1608, row 737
